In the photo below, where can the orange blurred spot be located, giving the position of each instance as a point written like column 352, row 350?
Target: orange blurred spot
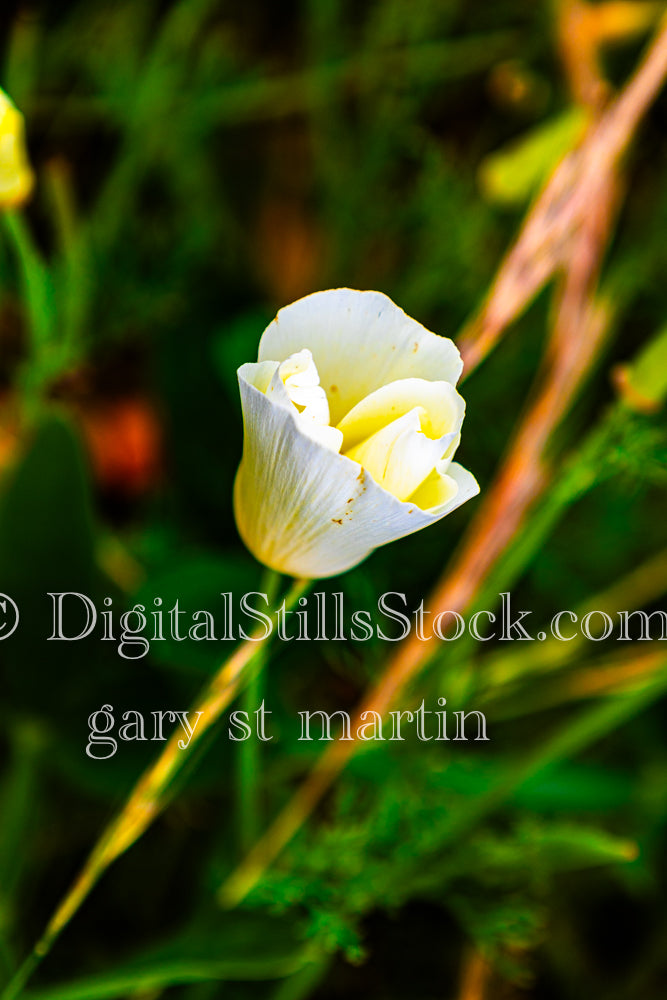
column 124, row 440
column 290, row 250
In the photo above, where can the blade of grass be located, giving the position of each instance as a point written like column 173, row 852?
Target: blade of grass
column 37, row 290
column 76, row 279
column 611, row 676
column 248, row 762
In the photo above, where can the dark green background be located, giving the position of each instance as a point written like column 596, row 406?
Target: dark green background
column 200, row 164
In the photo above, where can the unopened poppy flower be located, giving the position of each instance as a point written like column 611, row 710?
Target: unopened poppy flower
column 16, row 177
column 351, row 420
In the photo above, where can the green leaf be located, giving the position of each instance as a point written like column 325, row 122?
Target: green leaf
column 46, row 545
column 515, row 173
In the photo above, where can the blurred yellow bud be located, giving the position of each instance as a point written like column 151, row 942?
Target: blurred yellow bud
column 16, row 177
column 642, row 383
column 351, row 420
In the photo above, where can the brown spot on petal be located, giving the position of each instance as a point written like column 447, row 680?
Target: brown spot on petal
column 337, row 520
column 333, row 388
column 350, row 500
column 361, row 479
column 415, row 348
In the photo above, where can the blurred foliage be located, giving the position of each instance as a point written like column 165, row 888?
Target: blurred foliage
column 199, row 164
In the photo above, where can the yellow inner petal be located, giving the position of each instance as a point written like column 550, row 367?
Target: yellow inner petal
column 403, row 434
column 441, row 404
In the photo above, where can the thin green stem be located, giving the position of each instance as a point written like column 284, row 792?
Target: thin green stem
column 19, row 980
column 248, row 760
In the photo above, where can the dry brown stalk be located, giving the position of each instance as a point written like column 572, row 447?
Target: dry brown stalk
column 583, row 29
column 618, row 675
column 543, row 245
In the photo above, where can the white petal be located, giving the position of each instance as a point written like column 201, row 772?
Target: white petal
column 360, row 341
column 330, row 437
column 302, row 383
column 265, row 376
column 305, row 510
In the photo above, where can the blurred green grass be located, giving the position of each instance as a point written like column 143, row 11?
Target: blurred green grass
column 199, row 165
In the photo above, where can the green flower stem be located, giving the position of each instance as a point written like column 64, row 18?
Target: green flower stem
column 148, row 798
column 248, row 764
